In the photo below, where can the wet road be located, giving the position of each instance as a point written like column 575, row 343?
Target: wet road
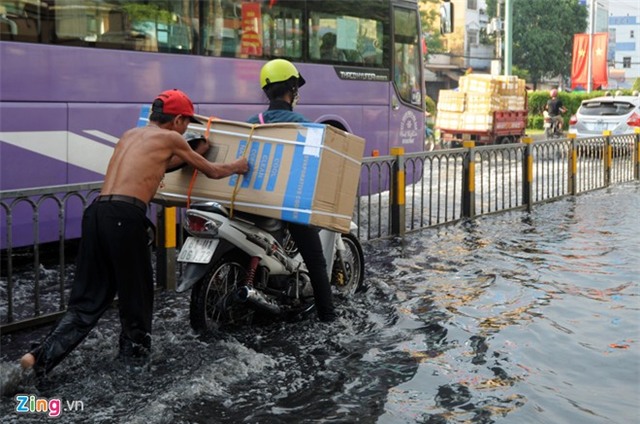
column 511, row 318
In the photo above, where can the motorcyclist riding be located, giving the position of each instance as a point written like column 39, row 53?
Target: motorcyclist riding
column 280, row 81
column 556, row 109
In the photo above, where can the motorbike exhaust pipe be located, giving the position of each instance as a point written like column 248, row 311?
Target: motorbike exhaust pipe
column 249, row 295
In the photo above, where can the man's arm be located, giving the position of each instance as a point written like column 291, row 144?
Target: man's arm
column 210, row 169
column 199, row 145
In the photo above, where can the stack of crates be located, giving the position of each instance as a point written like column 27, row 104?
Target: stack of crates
column 482, row 95
column 451, row 105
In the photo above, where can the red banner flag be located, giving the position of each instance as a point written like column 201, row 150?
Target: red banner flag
column 599, row 71
column 251, row 41
column 580, row 60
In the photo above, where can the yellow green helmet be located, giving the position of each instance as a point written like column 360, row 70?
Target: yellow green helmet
column 279, row 70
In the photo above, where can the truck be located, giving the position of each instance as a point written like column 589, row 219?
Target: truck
column 487, row 109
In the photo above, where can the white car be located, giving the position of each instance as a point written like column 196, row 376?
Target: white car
column 618, row 114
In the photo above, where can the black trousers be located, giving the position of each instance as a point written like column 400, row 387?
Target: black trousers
column 308, row 241
column 114, row 258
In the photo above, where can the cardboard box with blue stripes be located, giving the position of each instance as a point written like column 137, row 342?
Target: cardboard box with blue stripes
column 306, row 173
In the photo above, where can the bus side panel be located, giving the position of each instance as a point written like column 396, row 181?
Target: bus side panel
column 377, row 136
column 94, row 131
column 406, row 126
column 33, row 153
column 33, row 139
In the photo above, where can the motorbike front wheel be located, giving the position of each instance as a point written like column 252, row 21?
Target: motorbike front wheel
column 212, row 297
column 348, row 266
column 558, row 132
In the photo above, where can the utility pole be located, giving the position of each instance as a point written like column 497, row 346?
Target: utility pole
column 497, row 27
column 508, row 36
column 592, row 20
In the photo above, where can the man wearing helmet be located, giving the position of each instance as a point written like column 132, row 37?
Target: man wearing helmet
column 280, row 81
column 555, row 108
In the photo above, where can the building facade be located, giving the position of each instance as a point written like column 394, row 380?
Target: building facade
column 467, row 48
column 624, row 31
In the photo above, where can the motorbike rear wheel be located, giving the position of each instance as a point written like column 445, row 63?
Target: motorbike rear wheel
column 212, row 297
column 348, row 267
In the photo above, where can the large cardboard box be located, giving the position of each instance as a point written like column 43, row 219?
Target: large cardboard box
column 306, row 173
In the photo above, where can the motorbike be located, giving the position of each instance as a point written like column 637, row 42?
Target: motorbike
column 243, row 267
column 552, row 127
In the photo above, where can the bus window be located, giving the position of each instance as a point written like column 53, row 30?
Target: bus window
column 282, row 30
column 158, row 26
column 247, row 29
column 17, row 23
column 349, row 37
column 407, row 56
column 221, row 28
column 8, row 27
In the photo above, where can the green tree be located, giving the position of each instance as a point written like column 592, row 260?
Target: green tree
column 543, row 35
column 430, row 20
column 521, row 73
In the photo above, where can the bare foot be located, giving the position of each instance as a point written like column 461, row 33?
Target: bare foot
column 27, row 361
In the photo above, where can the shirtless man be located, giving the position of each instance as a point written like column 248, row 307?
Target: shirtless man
column 114, row 255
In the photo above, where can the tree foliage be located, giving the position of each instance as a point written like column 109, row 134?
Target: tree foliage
column 430, row 20
column 543, row 35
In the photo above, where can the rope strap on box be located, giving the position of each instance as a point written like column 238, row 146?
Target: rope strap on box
column 195, row 171
column 236, row 188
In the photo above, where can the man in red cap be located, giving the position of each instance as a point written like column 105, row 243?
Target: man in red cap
column 114, row 255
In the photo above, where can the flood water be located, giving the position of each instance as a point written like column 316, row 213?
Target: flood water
column 510, row 318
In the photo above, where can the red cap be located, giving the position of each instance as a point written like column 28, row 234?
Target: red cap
column 175, row 102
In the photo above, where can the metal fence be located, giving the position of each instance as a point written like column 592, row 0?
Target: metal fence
column 450, row 185
column 419, row 190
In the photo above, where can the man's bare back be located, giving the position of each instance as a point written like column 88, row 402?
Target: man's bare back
column 143, row 155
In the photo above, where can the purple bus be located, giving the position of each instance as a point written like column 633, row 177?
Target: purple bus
column 76, row 73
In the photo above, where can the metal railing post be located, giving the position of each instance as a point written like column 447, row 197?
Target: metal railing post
column 636, row 168
column 573, row 165
column 469, row 180
column 607, row 157
column 166, row 248
column 398, row 215
column 527, row 173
